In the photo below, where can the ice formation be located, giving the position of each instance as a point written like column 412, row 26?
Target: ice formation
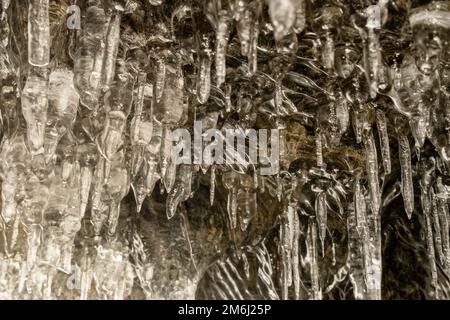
column 94, row 206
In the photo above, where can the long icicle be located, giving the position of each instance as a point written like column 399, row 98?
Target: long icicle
column 384, row 141
column 407, row 182
column 372, row 172
column 311, row 241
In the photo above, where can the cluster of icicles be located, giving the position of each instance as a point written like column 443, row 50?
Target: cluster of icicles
column 95, row 131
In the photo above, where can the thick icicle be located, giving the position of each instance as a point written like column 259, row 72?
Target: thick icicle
column 358, row 241
column 111, row 48
column 204, row 73
column 222, row 37
column 431, row 252
column 372, row 172
column 34, row 108
column 38, row 33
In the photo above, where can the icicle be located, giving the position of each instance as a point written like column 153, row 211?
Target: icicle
column 279, row 190
column 443, row 222
column 407, row 182
column 166, row 150
column 283, row 250
column 431, row 252
column 373, row 62
column 278, row 98
column 38, row 33
column 111, row 49
column 358, row 241
column 222, row 37
column 328, row 52
column 85, row 187
column 372, row 172
column 212, row 186
column 443, row 212
column 255, row 179
column 160, row 79
column 321, row 216
column 33, row 242
column 89, row 58
column 436, row 228
column 384, row 141
column 287, row 234
column 244, row 17
column 295, row 256
column 311, row 241
column 253, row 49
column 140, row 188
column 232, row 207
column 140, row 131
column 86, row 275
column 174, row 199
column 373, row 261
column 204, row 73
column 230, row 181
column 319, row 152
column 34, row 108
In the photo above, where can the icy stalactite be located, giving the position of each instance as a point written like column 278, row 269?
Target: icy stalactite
column 358, row 241
column 160, row 79
column 311, row 244
column 247, row 207
column 407, row 182
column 427, row 168
column 111, row 47
column 384, row 140
column 34, row 108
column 372, row 172
column 287, row 246
column 222, row 38
column 253, row 48
column 319, row 149
column 295, row 259
column 373, row 264
column 437, row 231
column 181, row 190
column 89, row 57
column 321, row 217
column 204, row 70
column 443, row 213
column 38, row 33
column 243, row 16
column 231, row 183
